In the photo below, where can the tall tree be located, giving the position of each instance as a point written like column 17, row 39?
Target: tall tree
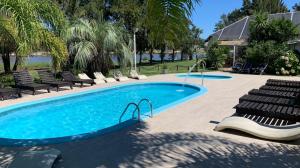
column 165, row 19
column 249, row 7
column 32, row 25
column 269, row 6
column 296, row 7
column 93, row 42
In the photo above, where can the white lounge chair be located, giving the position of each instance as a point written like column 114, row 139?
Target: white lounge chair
column 36, row 159
column 84, row 76
column 133, row 74
column 119, row 76
column 254, row 127
column 99, row 75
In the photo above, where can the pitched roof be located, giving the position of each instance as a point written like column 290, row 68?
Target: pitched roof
column 239, row 30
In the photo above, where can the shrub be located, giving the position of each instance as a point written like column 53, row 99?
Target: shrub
column 265, row 52
column 217, row 55
column 287, row 64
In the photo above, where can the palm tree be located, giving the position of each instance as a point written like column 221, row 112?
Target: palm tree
column 166, row 20
column 94, row 42
column 31, row 25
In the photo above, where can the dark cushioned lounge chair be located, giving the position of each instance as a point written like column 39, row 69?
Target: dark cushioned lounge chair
column 48, row 78
column 36, row 159
column 7, row 92
column 283, row 83
column 69, row 77
column 274, row 115
column 25, row 81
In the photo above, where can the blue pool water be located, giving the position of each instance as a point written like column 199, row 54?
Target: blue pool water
column 87, row 112
column 211, row 77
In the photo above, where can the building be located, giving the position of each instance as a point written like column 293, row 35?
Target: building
column 236, row 35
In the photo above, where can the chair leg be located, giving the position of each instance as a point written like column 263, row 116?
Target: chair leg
column 71, row 86
column 57, row 88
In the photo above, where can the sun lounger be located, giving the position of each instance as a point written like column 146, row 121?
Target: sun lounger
column 85, row 77
column 247, row 68
column 7, row 92
column 48, row 78
column 99, row 75
column 274, row 93
column 237, row 67
column 283, row 83
column 275, row 116
column 269, row 110
column 262, row 127
column 36, row 159
column 270, row 100
column 133, row 74
column 69, row 77
column 278, row 88
column 119, row 76
column 260, row 69
column 25, row 81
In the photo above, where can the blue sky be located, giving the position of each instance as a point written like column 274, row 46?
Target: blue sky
column 208, row 13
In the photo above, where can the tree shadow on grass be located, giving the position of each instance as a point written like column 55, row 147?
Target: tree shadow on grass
column 134, row 147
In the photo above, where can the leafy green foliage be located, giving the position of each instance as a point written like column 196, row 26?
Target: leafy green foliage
column 287, row 64
column 264, row 52
column 268, row 42
column 29, row 23
column 216, row 55
column 278, row 30
column 92, row 43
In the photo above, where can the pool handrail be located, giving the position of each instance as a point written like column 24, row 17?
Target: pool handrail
column 150, row 106
column 136, row 108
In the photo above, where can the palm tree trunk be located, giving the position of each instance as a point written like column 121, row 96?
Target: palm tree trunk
column 6, row 62
column 17, row 62
column 181, row 55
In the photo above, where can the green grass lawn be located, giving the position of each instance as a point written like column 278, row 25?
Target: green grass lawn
column 156, row 68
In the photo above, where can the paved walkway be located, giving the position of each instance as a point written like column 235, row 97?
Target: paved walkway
column 182, row 136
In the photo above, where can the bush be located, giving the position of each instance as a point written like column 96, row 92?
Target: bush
column 265, row 52
column 217, row 55
column 287, row 64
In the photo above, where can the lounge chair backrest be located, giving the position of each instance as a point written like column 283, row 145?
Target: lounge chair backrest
column 83, row 76
column 22, row 77
column 99, row 75
column 46, row 76
column 133, row 73
column 118, row 74
column 68, row 76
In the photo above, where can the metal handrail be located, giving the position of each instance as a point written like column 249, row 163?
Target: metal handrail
column 150, row 106
column 136, row 108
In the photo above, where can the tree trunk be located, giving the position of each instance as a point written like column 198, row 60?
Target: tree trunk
column 162, row 54
column 173, row 55
column 17, row 62
column 191, row 56
column 151, row 55
column 141, row 57
column 181, row 55
column 6, row 62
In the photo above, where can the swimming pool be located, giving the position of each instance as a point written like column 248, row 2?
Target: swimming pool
column 210, row 77
column 89, row 112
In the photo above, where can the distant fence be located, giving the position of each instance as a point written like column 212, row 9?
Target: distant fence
column 176, row 68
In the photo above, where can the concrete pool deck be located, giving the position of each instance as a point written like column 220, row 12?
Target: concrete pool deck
column 182, row 136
